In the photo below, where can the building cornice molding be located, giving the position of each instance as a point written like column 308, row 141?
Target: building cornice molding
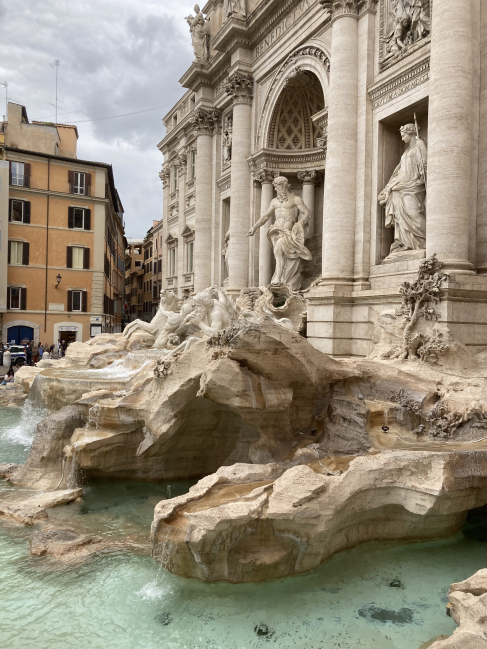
column 385, row 91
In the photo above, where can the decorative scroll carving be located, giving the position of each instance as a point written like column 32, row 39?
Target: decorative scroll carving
column 310, row 177
column 347, row 7
column 265, row 176
column 165, row 174
column 204, row 122
column 240, row 88
column 181, row 162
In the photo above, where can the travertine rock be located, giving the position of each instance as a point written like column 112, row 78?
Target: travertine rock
column 8, row 469
column 468, row 607
column 267, row 528
column 64, row 543
column 30, row 506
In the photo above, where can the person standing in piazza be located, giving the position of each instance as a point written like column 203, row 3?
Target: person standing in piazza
column 35, row 353
column 404, row 196
column 7, row 358
column 28, row 354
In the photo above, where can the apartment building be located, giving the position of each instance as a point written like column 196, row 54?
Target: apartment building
column 62, row 236
column 134, row 278
column 147, row 248
column 157, row 267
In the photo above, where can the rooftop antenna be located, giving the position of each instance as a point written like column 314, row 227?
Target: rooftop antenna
column 5, row 84
column 56, row 63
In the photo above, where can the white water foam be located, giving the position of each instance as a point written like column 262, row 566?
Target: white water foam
column 154, row 590
column 23, row 432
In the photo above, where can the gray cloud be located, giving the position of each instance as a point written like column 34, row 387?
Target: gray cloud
column 110, row 51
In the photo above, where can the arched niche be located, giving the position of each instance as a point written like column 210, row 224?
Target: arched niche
column 311, row 61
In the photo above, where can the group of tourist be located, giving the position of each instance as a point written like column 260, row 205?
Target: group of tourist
column 33, row 354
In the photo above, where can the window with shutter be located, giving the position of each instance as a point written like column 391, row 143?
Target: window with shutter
column 76, row 300
column 26, row 211
column 23, row 299
column 69, row 257
column 15, row 298
column 79, row 186
column 78, row 257
column 25, row 254
column 16, row 252
column 71, row 181
column 27, row 169
column 86, row 258
column 17, row 173
column 70, row 301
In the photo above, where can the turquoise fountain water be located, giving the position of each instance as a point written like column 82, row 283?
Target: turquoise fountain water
column 380, row 596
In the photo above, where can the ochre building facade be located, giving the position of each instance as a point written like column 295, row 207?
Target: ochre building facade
column 62, row 238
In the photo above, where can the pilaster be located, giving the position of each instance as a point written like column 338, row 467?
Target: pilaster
column 309, row 178
column 240, row 87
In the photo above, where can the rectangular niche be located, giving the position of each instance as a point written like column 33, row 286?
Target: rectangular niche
column 391, row 148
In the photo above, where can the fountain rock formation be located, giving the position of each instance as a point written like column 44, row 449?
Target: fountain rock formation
column 300, row 455
column 468, row 607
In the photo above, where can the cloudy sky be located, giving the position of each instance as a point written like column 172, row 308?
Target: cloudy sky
column 117, row 57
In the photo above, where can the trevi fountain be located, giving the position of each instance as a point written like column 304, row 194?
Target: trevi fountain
column 293, row 452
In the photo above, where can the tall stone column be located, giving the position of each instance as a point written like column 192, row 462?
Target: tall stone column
column 240, row 88
column 449, row 136
column 266, row 255
column 309, row 179
column 165, row 176
column 181, row 165
column 204, row 123
column 341, row 159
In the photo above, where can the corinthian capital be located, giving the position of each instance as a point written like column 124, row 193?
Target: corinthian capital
column 204, row 122
column 339, row 8
column 181, row 162
column 165, row 174
column 309, row 177
column 240, row 88
column 265, row 176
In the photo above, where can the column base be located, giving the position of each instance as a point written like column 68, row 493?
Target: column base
column 458, row 266
column 333, row 280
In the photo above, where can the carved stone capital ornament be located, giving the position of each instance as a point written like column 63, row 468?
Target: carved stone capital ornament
column 339, row 8
column 310, row 177
column 165, row 174
column 240, row 88
column 205, row 122
column 181, row 162
column 265, row 176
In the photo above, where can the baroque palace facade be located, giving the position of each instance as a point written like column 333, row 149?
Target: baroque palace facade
column 375, row 113
column 62, row 236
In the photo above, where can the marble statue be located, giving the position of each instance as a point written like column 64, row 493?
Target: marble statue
column 213, row 311
column 199, row 34
column 234, row 7
column 227, row 145
column 287, row 234
column 404, row 196
column 226, row 245
column 396, row 41
column 168, row 305
column 419, row 12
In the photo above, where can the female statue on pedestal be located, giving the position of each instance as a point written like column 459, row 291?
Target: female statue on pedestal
column 404, row 196
column 199, row 34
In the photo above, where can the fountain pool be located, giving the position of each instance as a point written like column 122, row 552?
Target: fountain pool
column 380, row 595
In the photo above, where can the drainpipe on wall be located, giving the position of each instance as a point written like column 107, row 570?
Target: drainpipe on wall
column 47, row 239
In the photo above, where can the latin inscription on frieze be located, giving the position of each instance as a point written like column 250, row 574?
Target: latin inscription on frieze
column 282, row 27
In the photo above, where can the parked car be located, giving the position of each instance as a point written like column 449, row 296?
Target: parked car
column 18, row 356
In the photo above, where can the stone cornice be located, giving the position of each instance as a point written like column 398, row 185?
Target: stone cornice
column 283, row 160
column 204, row 122
column 385, row 91
column 240, row 88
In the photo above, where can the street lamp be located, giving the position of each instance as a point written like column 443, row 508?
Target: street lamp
column 59, row 278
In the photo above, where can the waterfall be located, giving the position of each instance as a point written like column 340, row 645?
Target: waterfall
column 30, row 415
